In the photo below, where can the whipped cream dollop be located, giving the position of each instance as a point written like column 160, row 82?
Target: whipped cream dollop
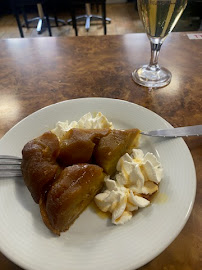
column 137, row 175
column 87, row 121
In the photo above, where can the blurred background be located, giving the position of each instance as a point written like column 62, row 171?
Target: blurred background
column 123, row 14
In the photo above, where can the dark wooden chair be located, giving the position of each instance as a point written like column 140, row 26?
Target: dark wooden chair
column 73, row 5
column 18, row 6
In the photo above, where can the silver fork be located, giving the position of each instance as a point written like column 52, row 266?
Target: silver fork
column 10, row 166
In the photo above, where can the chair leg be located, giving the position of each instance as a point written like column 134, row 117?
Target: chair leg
column 74, row 24
column 48, row 25
column 104, row 17
column 25, row 17
column 54, row 7
column 56, row 20
column 19, row 24
column 47, row 21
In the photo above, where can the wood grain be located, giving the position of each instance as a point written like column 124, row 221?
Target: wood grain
column 38, row 72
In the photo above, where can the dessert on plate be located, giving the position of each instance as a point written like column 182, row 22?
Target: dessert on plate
column 69, row 166
column 65, row 170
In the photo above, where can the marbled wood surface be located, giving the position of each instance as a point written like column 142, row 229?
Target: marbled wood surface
column 38, row 72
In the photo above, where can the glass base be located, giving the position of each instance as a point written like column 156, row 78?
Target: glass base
column 152, row 76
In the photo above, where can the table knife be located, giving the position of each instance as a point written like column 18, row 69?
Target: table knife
column 175, row 132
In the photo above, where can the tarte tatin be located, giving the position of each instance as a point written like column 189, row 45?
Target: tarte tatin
column 63, row 176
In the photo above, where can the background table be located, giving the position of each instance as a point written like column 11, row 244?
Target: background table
column 38, row 72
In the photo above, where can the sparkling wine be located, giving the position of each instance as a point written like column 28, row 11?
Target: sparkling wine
column 160, row 16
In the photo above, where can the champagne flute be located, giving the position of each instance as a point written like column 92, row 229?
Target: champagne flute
column 159, row 17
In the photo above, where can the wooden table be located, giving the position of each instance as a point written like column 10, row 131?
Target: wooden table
column 38, row 72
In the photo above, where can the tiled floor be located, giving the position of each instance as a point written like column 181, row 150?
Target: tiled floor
column 124, row 19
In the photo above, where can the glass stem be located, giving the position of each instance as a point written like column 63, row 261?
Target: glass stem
column 155, row 50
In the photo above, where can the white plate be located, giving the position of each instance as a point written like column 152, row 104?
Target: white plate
column 92, row 242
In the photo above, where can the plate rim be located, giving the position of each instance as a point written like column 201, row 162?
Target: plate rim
column 87, row 98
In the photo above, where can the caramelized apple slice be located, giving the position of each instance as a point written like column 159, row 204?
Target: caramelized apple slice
column 111, row 147
column 39, row 163
column 77, row 145
column 69, row 195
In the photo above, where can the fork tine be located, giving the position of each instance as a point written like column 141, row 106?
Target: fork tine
column 8, row 174
column 5, row 157
column 10, row 166
column 9, row 157
column 9, row 162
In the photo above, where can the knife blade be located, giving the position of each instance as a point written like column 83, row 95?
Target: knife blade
column 175, row 132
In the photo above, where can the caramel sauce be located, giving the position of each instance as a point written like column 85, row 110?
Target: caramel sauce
column 160, row 198
column 97, row 211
